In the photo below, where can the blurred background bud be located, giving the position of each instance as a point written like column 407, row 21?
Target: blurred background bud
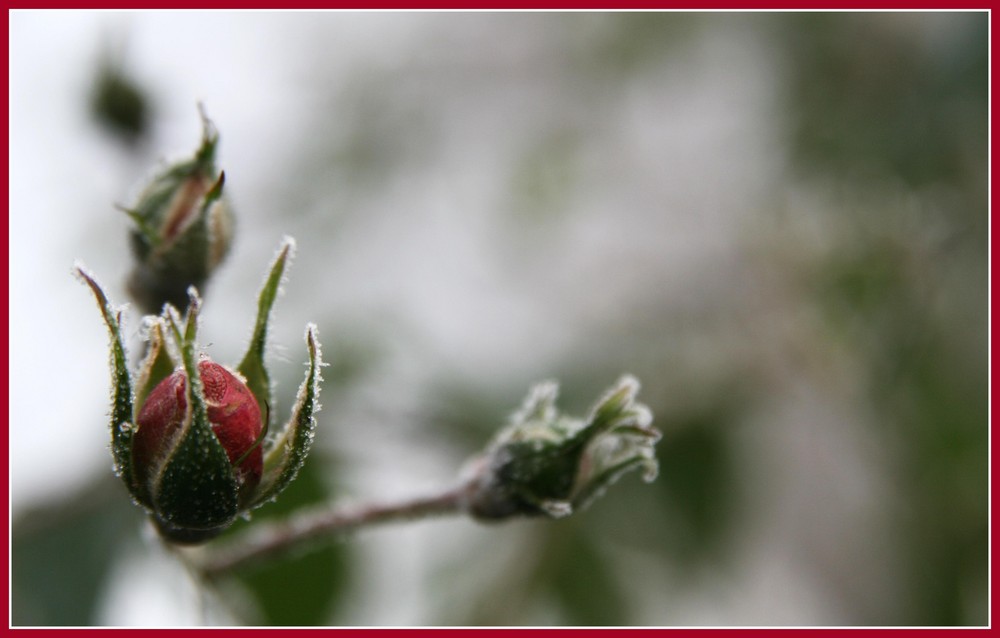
column 118, row 102
column 183, row 229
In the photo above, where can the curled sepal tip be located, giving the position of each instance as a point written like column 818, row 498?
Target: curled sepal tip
column 288, row 451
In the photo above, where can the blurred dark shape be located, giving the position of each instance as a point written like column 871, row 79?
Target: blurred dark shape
column 899, row 94
column 308, row 587
column 893, row 110
column 626, row 43
column 118, row 102
column 699, row 485
column 62, row 552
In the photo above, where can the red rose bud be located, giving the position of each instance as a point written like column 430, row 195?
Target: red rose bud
column 232, row 410
column 187, row 436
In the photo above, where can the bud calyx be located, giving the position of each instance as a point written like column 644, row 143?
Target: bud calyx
column 546, row 463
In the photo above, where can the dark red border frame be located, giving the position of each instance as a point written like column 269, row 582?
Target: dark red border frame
column 989, row 5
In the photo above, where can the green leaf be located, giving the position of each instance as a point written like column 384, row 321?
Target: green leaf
column 196, row 488
column 288, row 452
column 252, row 366
column 122, row 417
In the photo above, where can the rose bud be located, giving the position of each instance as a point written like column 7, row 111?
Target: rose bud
column 188, row 437
column 183, row 229
column 233, row 414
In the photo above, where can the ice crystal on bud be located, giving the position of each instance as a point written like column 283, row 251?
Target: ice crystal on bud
column 188, row 435
column 545, row 463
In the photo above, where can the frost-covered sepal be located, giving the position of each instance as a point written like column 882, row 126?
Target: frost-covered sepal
column 183, row 228
column 252, row 365
column 287, row 452
column 545, row 463
column 122, row 419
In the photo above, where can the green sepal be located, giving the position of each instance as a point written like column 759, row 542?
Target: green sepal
column 195, row 490
column 157, row 364
column 252, row 366
column 617, row 409
column 620, row 440
column 145, row 236
column 287, row 453
column 617, row 462
column 214, row 193
column 542, row 471
column 186, row 259
column 149, row 212
column 204, row 157
column 122, row 417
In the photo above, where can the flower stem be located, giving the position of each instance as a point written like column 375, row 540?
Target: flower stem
column 269, row 541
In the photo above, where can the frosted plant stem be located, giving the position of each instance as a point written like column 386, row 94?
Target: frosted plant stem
column 268, row 541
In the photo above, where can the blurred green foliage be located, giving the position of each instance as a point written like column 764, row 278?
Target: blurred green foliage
column 884, row 112
column 305, row 588
column 61, row 553
column 883, row 95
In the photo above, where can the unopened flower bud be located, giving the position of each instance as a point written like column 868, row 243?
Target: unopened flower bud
column 183, row 229
column 232, row 412
column 188, row 437
column 545, row 463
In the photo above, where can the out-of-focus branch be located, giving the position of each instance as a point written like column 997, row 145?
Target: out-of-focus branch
column 267, row 541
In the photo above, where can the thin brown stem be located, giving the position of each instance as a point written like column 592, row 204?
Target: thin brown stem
column 269, row 541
